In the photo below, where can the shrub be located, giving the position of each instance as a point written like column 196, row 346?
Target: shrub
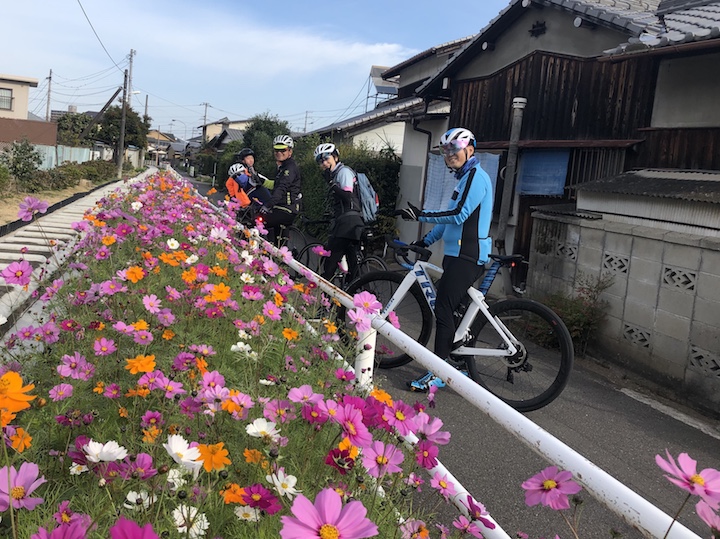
column 66, row 175
column 4, row 178
column 584, row 311
column 99, row 171
column 22, row 159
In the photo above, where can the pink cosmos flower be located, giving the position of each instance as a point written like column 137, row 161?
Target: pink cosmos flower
column 304, row 394
column 708, row 516
column 412, row 528
column 400, row 415
column 360, row 319
column 465, row 526
column 61, row 392
column 285, row 254
column 76, row 529
column 344, row 375
column 350, row 419
column 23, row 482
column 272, row 311
column 270, row 268
column 172, row 388
column 50, row 332
column 143, row 337
column 104, row 347
column 393, row 319
column 550, row 488
column 30, row 206
column 705, row 484
column 443, row 485
column 327, row 518
column 415, row 481
column 426, row 454
column 428, row 428
column 320, row 250
column 367, row 302
column 151, row 303
column 127, row 529
column 478, row 512
column 18, row 273
column 380, row 459
column 72, row 366
column 152, row 419
column 279, row 411
column 261, row 498
column 113, row 391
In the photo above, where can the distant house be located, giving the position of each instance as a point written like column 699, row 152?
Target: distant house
column 226, row 136
column 213, row 129
column 14, row 115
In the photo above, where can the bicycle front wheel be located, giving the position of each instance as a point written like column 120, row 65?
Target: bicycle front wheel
column 413, row 313
column 371, row 263
column 538, row 373
column 310, row 259
column 293, row 239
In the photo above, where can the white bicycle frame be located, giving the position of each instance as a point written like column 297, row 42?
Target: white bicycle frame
column 421, row 273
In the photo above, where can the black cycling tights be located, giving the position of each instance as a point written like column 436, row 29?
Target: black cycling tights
column 458, row 275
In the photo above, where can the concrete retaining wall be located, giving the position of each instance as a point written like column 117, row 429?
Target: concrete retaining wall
column 663, row 306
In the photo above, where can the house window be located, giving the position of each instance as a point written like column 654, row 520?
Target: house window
column 5, row 99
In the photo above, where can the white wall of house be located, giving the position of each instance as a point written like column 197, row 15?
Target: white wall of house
column 560, row 37
column 686, row 93
column 18, row 90
column 384, row 135
column 212, row 130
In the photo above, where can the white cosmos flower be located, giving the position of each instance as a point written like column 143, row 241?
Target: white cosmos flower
column 139, row 500
column 77, row 469
column 247, row 257
column 240, row 347
column 181, row 452
column 244, row 335
column 175, row 478
column 218, row 233
column 191, row 259
column 251, row 514
column 262, row 428
column 107, row 452
column 136, row 205
column 189, row 520
column 253, row 355
column 172, row 243
column 247, row 278
column 284, row 484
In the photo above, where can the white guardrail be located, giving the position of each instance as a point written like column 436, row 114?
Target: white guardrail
column 629, row 505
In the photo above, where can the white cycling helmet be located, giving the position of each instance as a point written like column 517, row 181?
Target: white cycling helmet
column 458, row 136
column 237, row 168
column 325, row 150
column 283, row 141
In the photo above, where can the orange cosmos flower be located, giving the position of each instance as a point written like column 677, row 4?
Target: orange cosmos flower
column 189, row 275
column 233, row 493
column 221, row 256
column 122, row 412
column 99, row 388
column 140, row 363
column 278, row 299
column 20, row 440
column 290, row 334
column 219, row 292
column 169, row 259
column 168, row 334
column 135, row 273
column 6, row 418
column 330, row 326
column 108, row 240
column 140, row 325
column 346, row 445
column 260, row 319
column 252, row 456
column 150, row 434
column 381, row 396
column 219, row 271
column 13, row 395
column 214, row 457
column 212, row 191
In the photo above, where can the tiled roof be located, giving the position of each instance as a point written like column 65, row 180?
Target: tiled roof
column 455, row 44
column 693, row 185
column 633, row 16
column 385, row 111
column 682, row 26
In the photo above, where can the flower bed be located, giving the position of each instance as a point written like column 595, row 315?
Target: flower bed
column 177, row 389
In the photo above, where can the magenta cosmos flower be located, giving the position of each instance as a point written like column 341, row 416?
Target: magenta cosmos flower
column 327, row 518
column 23, row 482
column 30, row 206
column 127, row 529
column 705, row 484
column 708, row 516
column 551, row 488
column 18, row 272
column 380, row 459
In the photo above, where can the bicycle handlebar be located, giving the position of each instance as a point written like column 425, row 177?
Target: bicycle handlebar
column 402, row 249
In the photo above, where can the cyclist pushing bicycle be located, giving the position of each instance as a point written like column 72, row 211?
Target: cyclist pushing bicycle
column 465, row 227
column 347, row 225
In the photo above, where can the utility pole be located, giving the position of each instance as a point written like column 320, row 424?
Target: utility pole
column 47, row 110
column 204, row 134
column 121, row 144
column 146, row 103
column 306, row 117
column 129, row 88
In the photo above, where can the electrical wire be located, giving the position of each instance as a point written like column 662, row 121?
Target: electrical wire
column 351, row 103
column 86, row 77
column 97, row 36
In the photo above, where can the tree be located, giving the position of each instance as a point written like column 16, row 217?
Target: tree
column 136, row 129
column 71, row 126
column 259, row 135
column 23, row 160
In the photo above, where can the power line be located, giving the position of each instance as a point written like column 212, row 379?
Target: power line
column 97, row 36
column 86, row 76
column 351, row 103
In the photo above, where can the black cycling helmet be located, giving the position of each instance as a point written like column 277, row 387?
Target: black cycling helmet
column 242, row 154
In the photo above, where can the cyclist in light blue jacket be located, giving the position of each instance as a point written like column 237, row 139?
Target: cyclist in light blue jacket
column 465, row 228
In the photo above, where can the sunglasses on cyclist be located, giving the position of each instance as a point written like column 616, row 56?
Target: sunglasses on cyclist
column 280, row 150
column 454, row 146
column 322, row 158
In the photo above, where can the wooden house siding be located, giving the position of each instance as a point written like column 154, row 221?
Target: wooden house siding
column 690, row 148
column 569, row 98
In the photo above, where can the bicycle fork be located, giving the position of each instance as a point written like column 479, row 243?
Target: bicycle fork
column 479, row 305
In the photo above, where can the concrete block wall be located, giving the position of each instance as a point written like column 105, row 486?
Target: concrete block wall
column 663, row 315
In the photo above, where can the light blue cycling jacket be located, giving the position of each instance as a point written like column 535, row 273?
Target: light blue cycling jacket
column 465, row 225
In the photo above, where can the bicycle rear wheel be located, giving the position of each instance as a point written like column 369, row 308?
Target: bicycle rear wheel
column 413, row 313
column 538, row 373
column 371, row 263
column 293, row 238
column 310, row 259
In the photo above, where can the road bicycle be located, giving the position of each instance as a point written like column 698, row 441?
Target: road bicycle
column 312, row 257
column 518, row 349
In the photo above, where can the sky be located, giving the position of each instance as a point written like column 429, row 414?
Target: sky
column 305, row 62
